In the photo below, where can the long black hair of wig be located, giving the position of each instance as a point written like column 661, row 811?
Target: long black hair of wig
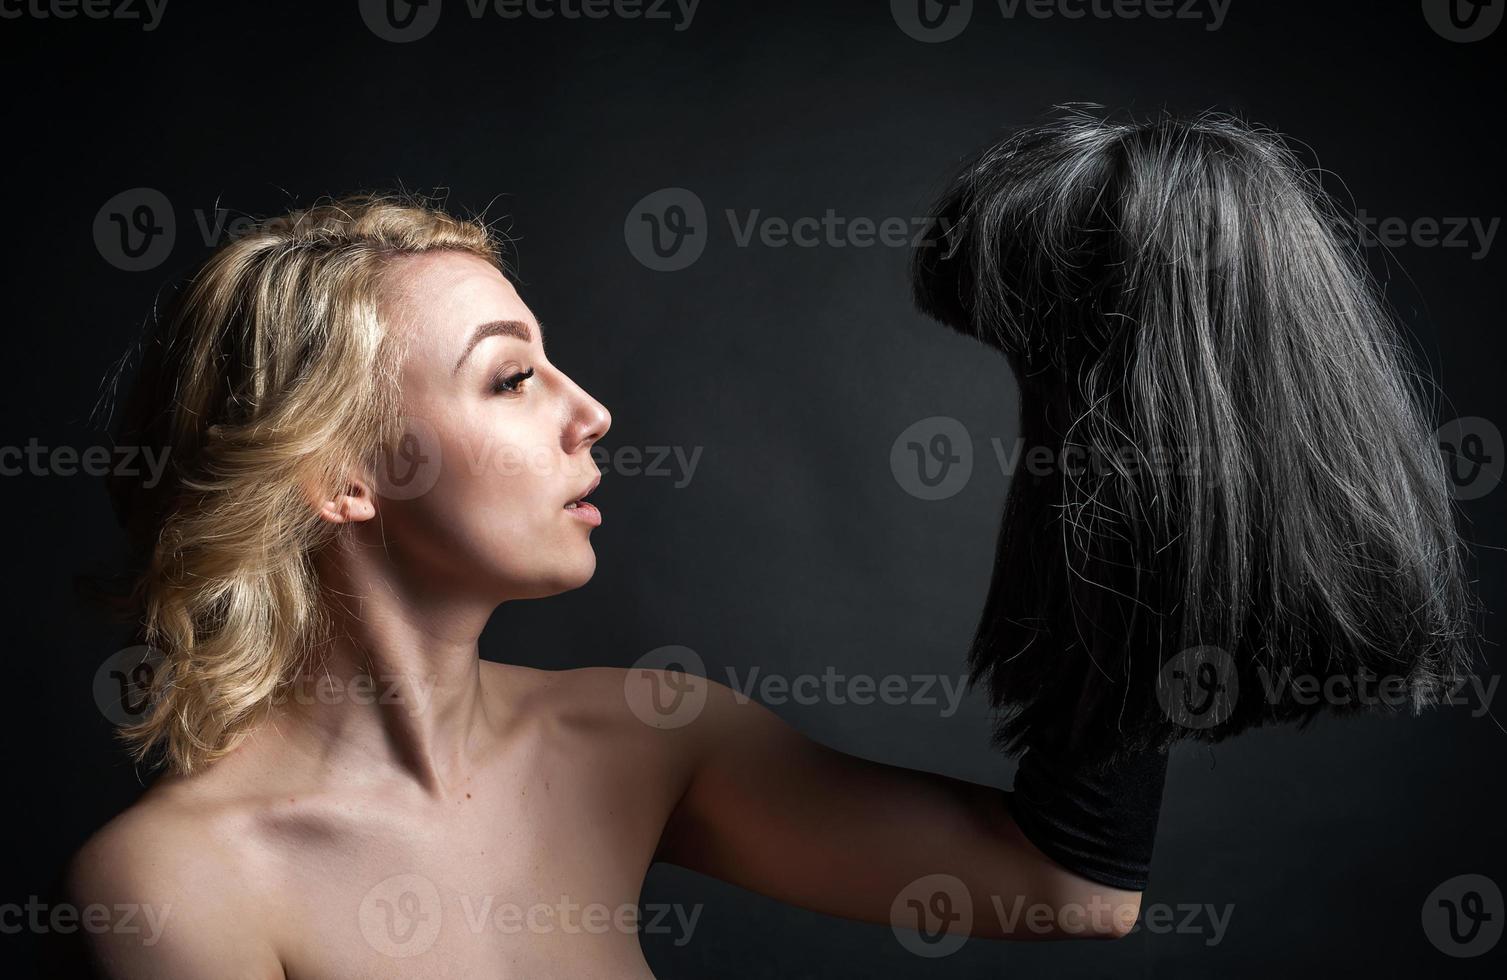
column 1245, row 463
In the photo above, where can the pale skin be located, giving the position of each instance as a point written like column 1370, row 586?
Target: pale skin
column 499, row 788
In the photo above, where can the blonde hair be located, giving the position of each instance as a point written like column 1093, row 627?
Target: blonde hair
column 274, row 378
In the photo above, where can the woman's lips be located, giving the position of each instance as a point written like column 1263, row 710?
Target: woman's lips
column 585, row 512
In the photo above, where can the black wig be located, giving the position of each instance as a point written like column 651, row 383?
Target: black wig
column 1245, row 485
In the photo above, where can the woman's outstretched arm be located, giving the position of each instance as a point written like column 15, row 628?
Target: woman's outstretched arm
column 770, row 809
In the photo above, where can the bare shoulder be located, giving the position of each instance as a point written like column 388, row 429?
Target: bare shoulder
column 154, row 880
column 660, row 717
column 632, row 699
column 677, row 716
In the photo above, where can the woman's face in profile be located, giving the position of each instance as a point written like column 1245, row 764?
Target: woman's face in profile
column 502, row 439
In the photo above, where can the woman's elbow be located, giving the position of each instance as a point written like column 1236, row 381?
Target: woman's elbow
column 1097, row 914
column 1124, row 911
column 1100, row 913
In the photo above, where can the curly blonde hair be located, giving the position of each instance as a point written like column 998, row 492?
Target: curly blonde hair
column 271, row 381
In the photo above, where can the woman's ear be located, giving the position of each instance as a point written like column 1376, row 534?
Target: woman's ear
column 355, row 503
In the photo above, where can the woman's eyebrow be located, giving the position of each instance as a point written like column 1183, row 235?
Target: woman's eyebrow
column 510, row 328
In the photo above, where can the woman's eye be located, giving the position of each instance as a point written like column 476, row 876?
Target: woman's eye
column 511, row 382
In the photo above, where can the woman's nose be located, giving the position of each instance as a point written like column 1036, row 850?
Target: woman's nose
column 590, row 422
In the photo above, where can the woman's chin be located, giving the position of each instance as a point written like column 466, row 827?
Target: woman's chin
column 567, row 576
column 587, row 569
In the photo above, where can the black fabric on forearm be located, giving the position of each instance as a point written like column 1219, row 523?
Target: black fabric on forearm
column 1101, row 825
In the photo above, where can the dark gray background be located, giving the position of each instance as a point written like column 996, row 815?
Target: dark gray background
column 793, row 370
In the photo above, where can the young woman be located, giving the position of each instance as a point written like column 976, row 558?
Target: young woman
column 1252, row 489
column 370, row 452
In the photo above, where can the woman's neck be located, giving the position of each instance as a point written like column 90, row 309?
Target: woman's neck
column 400, row 683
